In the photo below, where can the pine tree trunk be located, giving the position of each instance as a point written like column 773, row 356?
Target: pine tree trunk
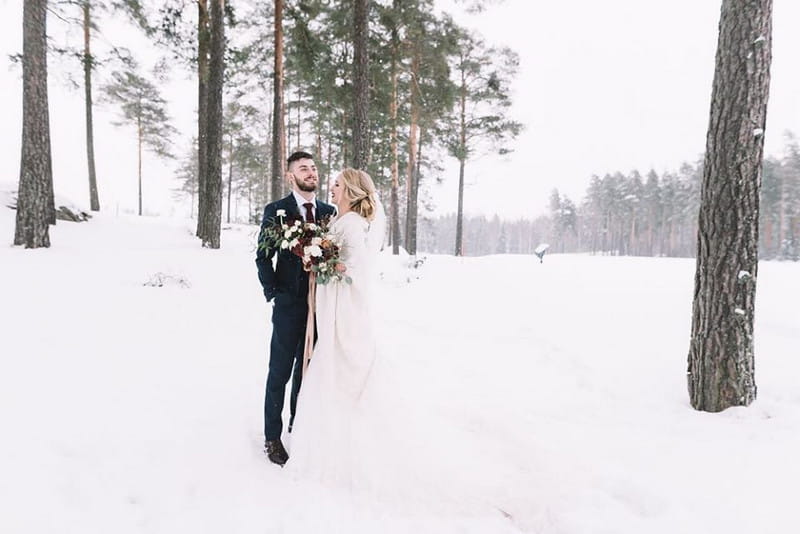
column 461, row 163
column 323, row 185
column 299, row 117
column 330, row 154
column 202, row 115
column 460, row 213
column 766, row 238
column 94, row 199
column 249, row 203
column 411, row 178
column 781, row 214
column 278, row 141
column 289, row 131
column 216, row 70
column 343, row 150
column 360, row 84
column 413, row 188
column 395, row 201
column 32, row 230
column 721, row 357
column 632, row 250
column 329, row 165
column 230, row 176
column 139, row 135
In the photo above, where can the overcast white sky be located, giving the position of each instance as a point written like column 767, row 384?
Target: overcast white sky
column 603, row 86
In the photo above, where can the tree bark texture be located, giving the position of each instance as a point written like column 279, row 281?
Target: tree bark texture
column 35, row 177
column 461, row 164
column 88, row 61
column 202, row 113
column 411, row 175
column 140, row 136
column 394, row 199
column 323, row 186
column 360, row 84
column 299, row 117
column 216, row 71
column 230, row 177
column 278, row 128
column 721, row 357
column 460, row 214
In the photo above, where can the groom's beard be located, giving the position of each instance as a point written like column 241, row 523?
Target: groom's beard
column 302, row 186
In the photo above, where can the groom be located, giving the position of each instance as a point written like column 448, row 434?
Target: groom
column 286, row 283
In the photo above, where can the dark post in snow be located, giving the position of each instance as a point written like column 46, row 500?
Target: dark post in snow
column 35, row 193
column 721, row 359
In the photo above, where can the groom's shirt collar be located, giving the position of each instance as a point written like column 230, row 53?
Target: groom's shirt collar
column 300, row 201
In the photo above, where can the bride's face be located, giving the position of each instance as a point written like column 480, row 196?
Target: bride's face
column 339, row 193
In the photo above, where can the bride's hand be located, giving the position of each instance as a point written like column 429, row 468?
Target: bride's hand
column 341, row 267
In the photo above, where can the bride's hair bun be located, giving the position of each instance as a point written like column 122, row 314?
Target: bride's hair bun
column 360, row 187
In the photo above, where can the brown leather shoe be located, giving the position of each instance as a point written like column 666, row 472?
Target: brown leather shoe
column 274, row 450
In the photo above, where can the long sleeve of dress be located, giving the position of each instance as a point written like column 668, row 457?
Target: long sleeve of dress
column 351, row 230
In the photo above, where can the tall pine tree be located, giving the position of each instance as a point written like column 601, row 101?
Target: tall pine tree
column 35, row 204
column 721, row 371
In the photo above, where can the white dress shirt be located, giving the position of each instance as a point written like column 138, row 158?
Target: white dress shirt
column 300, row 201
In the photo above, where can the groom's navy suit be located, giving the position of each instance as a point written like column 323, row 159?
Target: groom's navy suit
column 287, row 284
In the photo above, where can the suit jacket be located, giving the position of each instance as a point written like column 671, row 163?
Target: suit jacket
column 287, row 276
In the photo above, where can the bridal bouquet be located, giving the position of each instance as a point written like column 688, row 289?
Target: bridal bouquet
column 312, row 242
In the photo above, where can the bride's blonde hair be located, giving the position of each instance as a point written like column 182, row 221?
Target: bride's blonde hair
column 361, row 190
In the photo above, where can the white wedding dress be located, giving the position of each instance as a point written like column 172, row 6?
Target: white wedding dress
column 355, row 458
column 326, row 443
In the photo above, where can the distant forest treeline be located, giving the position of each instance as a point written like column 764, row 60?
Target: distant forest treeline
column 632, row 214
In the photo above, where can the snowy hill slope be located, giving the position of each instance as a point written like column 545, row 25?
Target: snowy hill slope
column 560, row 387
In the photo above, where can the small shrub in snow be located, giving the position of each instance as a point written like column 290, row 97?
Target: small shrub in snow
column 163, row 279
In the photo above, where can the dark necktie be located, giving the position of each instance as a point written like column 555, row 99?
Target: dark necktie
column 309, row 211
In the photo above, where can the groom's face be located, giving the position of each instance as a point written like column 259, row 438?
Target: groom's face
column 304, row 174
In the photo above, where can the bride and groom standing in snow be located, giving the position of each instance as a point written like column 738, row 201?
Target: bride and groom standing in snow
column 345, row 349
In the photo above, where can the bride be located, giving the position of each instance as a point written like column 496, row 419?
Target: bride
column 327, row 442
column 355, row 457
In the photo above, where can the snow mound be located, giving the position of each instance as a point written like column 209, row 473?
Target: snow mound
column 66, row 209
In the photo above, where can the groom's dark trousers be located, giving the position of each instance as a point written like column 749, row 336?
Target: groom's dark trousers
column 289, row 315
column 286, row 284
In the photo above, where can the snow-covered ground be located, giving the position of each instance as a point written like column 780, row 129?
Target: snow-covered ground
column 559, row 387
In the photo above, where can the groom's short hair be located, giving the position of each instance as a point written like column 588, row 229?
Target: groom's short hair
column 297, row 156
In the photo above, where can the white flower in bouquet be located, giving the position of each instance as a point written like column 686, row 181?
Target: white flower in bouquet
column 316, row 241
column 297, row 223
column 284, row 244
column 313, row 250
column 285, row 227
column 312, row 226
column 281, row 213
column 293, row 243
